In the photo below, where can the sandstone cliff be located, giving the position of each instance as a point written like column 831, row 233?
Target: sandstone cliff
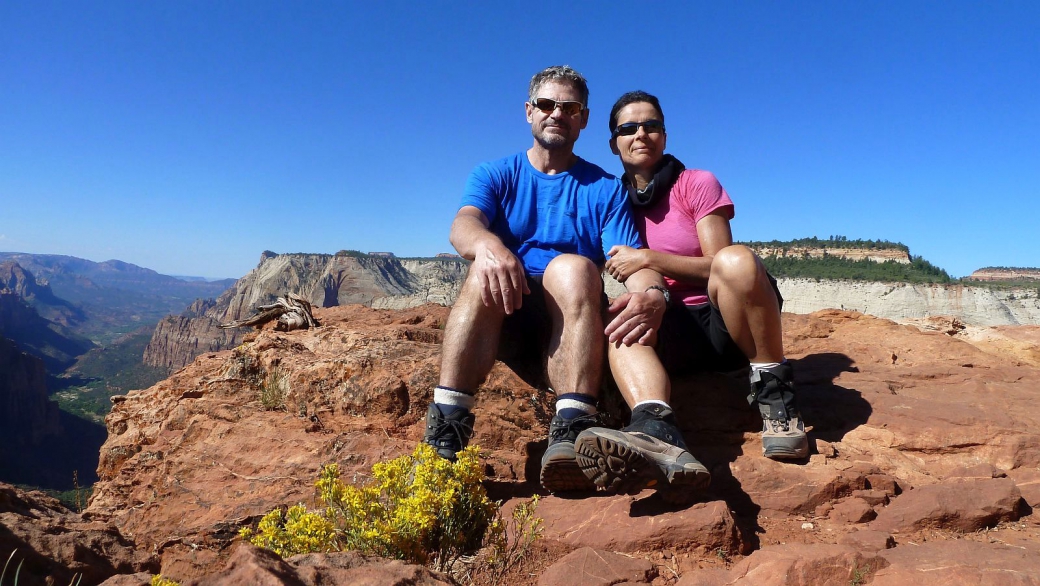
column 324, row 280
column 925, row 466
column 178, row 339
column 979, row 306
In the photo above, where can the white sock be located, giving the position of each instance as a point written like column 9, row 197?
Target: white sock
column 453, row 397
column 651, row 402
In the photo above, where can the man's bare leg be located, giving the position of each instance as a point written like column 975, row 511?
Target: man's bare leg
column 470, row 340
column 740, row 288
column 573, row 293
column 467, row 355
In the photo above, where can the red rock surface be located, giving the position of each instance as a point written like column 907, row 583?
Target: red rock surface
column 934, row 435
column 45, row 543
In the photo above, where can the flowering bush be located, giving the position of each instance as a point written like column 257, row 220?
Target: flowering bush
column 421, row 508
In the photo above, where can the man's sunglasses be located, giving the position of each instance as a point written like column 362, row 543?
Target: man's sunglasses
column 630, row 128
column 546, row 105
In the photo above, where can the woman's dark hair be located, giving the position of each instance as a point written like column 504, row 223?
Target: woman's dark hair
column 632, row 98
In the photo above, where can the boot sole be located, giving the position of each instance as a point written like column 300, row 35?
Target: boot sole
column 614, row 462
column 561, row 473
column 786, row 452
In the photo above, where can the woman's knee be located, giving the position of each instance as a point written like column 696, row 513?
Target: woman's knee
column 736, row 263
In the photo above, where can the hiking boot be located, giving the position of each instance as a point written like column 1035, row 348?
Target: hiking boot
column 560, row 471
column 649, row 453
column 448, row 434
column 783, row 432
column 784, row 439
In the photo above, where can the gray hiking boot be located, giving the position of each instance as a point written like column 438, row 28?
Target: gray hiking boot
column 649, row 453
column 783, row 433
column 560, row 471
column 448, row 434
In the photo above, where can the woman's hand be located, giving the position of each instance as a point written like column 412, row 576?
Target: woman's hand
column 625, row 260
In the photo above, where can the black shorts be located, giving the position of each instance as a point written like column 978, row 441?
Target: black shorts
column 694, row 338
column 524, row 343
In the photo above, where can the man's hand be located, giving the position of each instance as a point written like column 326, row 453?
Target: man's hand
column 502, row 278
column 638, row 318
column 625, row 260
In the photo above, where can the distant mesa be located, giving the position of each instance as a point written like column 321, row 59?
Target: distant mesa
column 1006, row 274
column 447, row 255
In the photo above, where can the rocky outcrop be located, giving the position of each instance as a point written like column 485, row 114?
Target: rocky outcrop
column 324, row 280
column 980, row 306
column 925, row 465
column 1006, row 274
column 48, row 544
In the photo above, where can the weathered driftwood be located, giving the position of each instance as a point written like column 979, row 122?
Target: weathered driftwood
column 292, row 312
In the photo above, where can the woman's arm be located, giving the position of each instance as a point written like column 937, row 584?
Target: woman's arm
column 714, row 233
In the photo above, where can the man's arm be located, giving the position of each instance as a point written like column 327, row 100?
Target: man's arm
column 714, row 233
column 499, row 272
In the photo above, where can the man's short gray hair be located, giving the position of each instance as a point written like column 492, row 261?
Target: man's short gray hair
column 560, row 73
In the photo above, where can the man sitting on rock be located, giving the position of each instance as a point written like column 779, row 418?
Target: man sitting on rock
column 725, row 315
column 537, row 226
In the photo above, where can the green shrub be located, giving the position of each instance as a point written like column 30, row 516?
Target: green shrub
column 420, row 508
column 274, row 389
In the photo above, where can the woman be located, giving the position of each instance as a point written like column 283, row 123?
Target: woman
column 724, row 310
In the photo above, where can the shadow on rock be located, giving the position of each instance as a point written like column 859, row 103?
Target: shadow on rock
column 831, row 410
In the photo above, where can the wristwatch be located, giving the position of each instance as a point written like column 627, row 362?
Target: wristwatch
column 667, row 295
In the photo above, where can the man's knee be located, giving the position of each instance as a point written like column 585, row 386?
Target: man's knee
column 572, row 275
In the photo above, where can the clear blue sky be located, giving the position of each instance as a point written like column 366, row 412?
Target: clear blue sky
column 188, row 137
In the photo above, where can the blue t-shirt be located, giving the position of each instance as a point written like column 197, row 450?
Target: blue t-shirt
column 539, row 216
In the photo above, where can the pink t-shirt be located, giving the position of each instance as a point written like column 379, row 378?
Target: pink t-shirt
column 670, row 225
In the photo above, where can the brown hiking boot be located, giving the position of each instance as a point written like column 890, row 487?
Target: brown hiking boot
column 649, row 453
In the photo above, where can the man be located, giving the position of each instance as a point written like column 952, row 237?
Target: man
column 725, row 312
column 537, row 226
